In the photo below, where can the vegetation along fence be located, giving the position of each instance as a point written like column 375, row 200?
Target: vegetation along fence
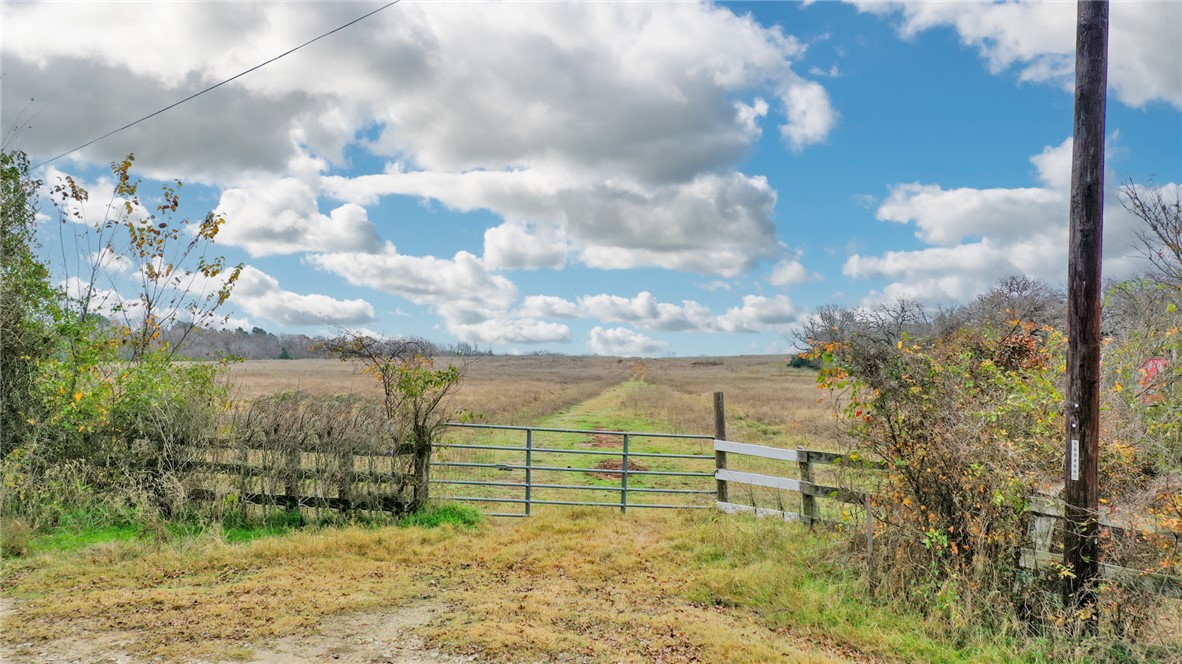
column 1047, row 512
column 296, row 474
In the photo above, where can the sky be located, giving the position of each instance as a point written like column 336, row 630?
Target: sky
column 651, row 179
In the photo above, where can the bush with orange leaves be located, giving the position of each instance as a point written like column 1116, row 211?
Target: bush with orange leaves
column 966, row 412
column 968, row 423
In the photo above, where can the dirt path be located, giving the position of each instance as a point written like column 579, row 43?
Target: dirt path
column 386, row 637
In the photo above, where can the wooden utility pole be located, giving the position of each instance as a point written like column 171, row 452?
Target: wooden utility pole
column 1081, row 549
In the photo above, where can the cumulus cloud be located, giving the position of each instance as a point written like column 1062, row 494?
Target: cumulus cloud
column 548, row 306
column 622, row 341
column 604, row 132
column 977, row 236
column 1038, row 39
column 644, row 310
column 461, row 280
column 522, row 247
column 789, row 272
column 757, row 313
column 259, row 294
column 511, row 331
column 713, row 224
column 810, row 114
column 281, row 216
column 473, row 300
column 452, row 88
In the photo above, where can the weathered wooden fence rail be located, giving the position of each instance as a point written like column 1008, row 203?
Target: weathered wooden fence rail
column 1046, row 512
column 285, row 474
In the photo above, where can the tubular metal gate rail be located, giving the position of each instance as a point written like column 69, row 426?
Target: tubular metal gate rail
column 526, row 463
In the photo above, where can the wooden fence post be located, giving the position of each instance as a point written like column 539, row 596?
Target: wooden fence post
column 292, row 460
column 869, row 546
column 808, row 503
column 720, row 434
column 243, row 471
column 345, row 467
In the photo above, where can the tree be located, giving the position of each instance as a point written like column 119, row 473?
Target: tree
column 1160, row 212
column 25, row 297
column 416, row 394
column 143, row 247
column 104, row 398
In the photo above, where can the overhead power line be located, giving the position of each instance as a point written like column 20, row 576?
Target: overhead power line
column 218, row 85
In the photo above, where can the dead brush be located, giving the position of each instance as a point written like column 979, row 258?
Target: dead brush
column 294, row 450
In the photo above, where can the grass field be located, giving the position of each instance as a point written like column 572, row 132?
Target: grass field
column 567, row 585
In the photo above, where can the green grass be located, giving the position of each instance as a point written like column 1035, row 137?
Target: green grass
column 84, row 528
column 71, row 539
column 462, row 516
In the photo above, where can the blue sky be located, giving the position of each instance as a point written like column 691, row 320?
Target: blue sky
column 636, row 179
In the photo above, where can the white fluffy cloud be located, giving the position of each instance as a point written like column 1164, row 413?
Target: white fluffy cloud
column 522, row 247
column 789, row 272
column 644, row 310
column 622, row 341
column 511, row 331
column 259, row 294
column 758, row 313
column 281, row 216
column 650, row 90
column 605, row 132
column 462, row 280
column 1145, row 61
column 548, row 306
column 713, row 224
column 977, row 236
column 473, row 300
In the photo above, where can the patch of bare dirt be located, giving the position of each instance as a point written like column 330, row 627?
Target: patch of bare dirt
column 381, row 637
column 606, row 440
column 615, row 464
column 368, row 638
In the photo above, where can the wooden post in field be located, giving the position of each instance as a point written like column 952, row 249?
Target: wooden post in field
column 292, row 459
column 1081, row 548
column 720, row 434
column 808, row 503
column 345, row 469
column 869, row 545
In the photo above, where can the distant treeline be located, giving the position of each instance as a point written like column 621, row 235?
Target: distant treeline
column 259, row 344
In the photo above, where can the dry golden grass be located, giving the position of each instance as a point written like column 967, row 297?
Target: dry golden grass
column 573, row 586
column 503, row 390
column 766, row 401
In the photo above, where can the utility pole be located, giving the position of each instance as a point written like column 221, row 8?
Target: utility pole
column 1081, row 547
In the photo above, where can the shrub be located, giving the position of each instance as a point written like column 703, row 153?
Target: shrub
column 965, row 410
column 106, row 413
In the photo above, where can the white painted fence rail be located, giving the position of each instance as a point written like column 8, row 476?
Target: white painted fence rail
column 804, row 485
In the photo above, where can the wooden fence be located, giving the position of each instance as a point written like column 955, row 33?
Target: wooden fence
column 1044, row 512
column 285, row 474
column 809, row 490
